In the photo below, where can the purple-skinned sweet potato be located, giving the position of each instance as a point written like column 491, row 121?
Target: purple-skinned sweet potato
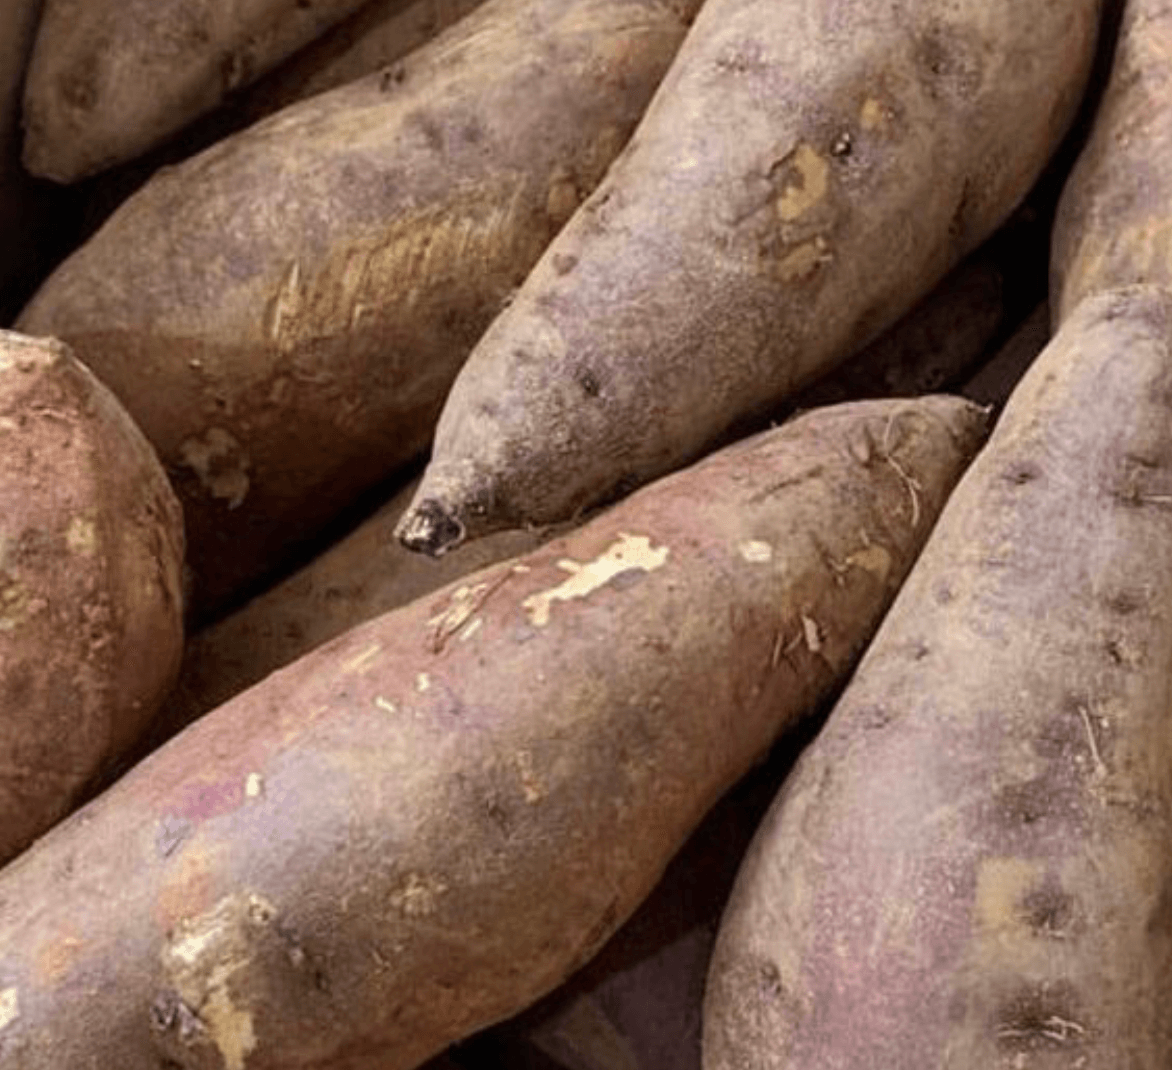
column 970, row 866
column 428, row 823
column 805, row 173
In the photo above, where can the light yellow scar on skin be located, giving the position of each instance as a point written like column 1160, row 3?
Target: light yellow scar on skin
column 799, row 197
column 628, row 553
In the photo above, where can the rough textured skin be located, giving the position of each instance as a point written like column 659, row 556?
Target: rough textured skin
column 91, row 548
column 1113, row 227
column 390, row 844
column 970, row 868
column 284, row 314
column 110, row 78
column 724, row 263
column 361, row 577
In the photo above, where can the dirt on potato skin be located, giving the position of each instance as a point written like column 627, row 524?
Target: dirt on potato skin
column 391, row 844
column 91, row 551
column 969, row 867
column 283, row 314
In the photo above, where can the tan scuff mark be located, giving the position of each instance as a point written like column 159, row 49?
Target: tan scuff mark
column 220, row 463
column 627, row 553
column 201, row 959
column 8, row 424
column 9, row 1007
column 465, row 602
column 254, row 786
column 874, row 559
column 82, row 536
column 18, row 606
column 812, row 634
column 422, row 682
column 360, row 663
column 385, row 704
column 531, row 784
column 285, row 307
column 6, row 361
column 474, row 626
column 1001, row 885
column 56, row 959
column 873, row 115
column 804, row 259
column 229, row 1027
column 756, row 551
column 814, row 179
column 418, row 896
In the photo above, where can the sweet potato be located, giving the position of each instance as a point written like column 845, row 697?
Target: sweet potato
column 429, row 822
column 284, row 314
column 970, row 866
column 91, row 551
column 110, row 78
column 1113, row 227
column 805, row 173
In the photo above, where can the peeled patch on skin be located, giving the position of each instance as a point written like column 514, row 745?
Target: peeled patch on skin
column 200, row 961
column 628, row 553
column 220, row 463
column 9, row 1007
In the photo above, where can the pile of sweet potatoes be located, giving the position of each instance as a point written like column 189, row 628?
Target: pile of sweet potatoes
column 656, row 305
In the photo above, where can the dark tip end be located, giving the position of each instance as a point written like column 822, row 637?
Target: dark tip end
column 428, row 528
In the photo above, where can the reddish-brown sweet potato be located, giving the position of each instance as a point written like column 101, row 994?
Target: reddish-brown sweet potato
column 805, row 173
column 91, row 548
column 428, row 823
column 284, row 314
column 970, row 867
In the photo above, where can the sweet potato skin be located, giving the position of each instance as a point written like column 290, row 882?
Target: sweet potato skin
column 738, row 260
column 478, row 839
column 1113, row 228
column 109, row 80
column 969, row 868
column 284, row 314
column 91, row 552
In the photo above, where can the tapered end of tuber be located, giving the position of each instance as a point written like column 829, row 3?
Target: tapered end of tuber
column 427, row 527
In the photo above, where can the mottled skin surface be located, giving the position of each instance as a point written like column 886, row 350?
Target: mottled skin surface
column 430, row 822
column 91, row 548
column 284, row 314
column 805, row 173
column 970, row 867
column 111, row 78
column 1114, row 227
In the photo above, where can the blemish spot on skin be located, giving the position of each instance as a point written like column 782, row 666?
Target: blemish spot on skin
column 872, row 114
column 873, row 559
column 81, row 537
column 230, row 1027
column 799, row 197
column 531, row 784
column 9, row 998
column 804, row 259
column 1001, row 884
column 286, row 303
column 474, row 626
column 220, row 464
column 418, row 896
column 7, row 424
column 756, row 552
column 254, row 786
column 6, row 361
column 422, row 682
column 386, row 705
column 520, row 570
column 363, row 661
column 629, row 553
